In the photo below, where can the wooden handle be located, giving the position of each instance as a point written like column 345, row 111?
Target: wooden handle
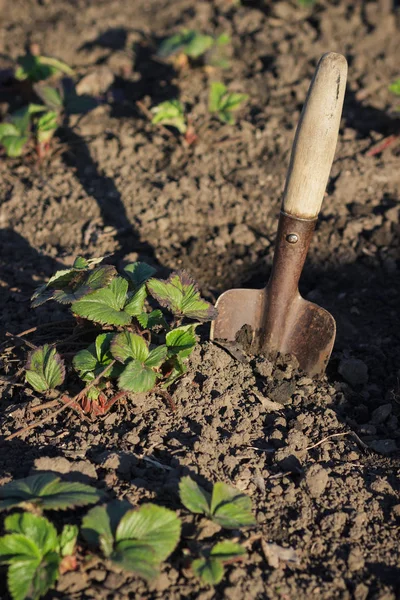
column 315, row 140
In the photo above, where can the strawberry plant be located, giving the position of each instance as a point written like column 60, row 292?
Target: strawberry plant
column 136, row 540
column 225, row 505
column 210, row 566
column 189, row 44
column 34, row 554
column 135, row 346
column 40, row 79
column 170, row 113
column 223, row 103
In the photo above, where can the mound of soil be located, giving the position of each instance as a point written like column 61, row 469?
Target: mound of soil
column 319, row 458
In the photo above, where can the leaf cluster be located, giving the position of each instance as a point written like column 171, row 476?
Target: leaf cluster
column 142, row 346
column 195, row 45
column 223, row 103
column 50, row 82
column 137, row 540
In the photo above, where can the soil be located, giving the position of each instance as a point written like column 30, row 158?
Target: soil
column 319, row 458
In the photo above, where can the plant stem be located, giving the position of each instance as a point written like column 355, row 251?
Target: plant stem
column 57, row 412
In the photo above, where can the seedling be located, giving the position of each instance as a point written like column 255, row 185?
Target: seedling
column 38, row 68
column 170, row 113
column 34, row 553
column 395, row 88
column 46, row 492
column 225, row 506
column 191, row 44
column 135, row 540
column 224, row 103
column 38, row 77
column 141, row 348
column 210, row 567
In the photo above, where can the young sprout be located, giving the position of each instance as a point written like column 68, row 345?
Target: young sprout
column 224, row 103
column 191, row 44
column 170, row 113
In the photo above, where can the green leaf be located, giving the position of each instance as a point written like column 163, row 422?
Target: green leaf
column 153, row 319
column 211, row 567
column 154, row 525
column 189, row 42
column 230, row 508
column 178, row 370
column 156, row 357
column 181, row 340
column 45, row 369
column 37, row 68
column 17, row 547
column 91, row 361
column 210, row 571
column 96, row 529
column 137, row 377
column 67, row 540
column 46, row 126
column 170, row 113
column 223, row 102
column 37, row 529
column 135, row 303
column 50, row 96
column 228, row 551
column 69, row 285
column 129, row 345
column 13, row 145
column 105, row 305
column 393, row 87
column 193, row 497
column 136, row 556
column 180, row 295
column 138, row 273
column 100, row 523
column 8, row 129
column 20, row 578
column 48, row 492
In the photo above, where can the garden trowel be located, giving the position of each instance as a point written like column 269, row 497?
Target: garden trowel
column 278, row 319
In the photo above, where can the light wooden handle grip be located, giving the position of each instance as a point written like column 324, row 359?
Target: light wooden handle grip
column 315, row 140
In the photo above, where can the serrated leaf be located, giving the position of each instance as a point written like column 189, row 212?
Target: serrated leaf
column 135, row 303
column 13, row 145
column 45, row 369
column 228, row 551
column 137, row 377
column 138, row 273
column 181, row 341
column 223, row 102
column 100, row 523
column 129, row 345
column 37, row 529
column 136, row 556
column 69, row 285
column 153, row 319
column 33, row 579
column 170, row 112
column 17, row 547
column 209, row 570
column 48, row 492
column 105, row 305
column 193, row 497
column 154, row 525
column 156, row 357
column 96, row 529
column 180, row 295
column 91, row 361
column 231, row 508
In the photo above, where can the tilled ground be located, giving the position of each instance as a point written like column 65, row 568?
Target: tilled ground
column 120, row 185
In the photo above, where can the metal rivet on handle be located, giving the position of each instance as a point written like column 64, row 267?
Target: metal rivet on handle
column 292, row 238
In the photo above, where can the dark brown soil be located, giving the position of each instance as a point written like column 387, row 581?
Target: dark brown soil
column 119, row 185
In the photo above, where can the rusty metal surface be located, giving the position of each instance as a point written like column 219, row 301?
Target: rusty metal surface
column 280, row 319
